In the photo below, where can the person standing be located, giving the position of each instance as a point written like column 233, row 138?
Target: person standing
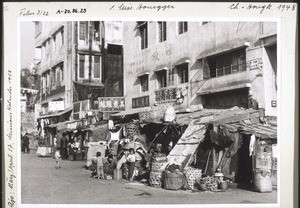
column 64, row 146
column 26, row 143
column 131, row 163
column 100, row 163
column 57, row 159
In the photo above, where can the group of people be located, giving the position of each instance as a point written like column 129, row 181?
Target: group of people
column 66, row 147
column 99, row 162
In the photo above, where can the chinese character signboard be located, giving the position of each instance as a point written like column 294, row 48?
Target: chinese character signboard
column 140, row 102
column 255, row 64
column 56, row 105
column 111, row 104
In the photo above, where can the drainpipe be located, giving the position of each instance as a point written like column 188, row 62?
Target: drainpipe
column 76, row 49
column 90, row 51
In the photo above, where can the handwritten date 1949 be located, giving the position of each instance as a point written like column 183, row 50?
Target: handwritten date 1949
column 71, row 11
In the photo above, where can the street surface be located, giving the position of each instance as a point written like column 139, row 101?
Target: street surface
column 43, row 184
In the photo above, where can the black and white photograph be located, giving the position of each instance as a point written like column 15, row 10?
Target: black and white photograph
column 148, row 111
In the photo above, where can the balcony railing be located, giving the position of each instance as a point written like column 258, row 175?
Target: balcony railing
column 225, row 70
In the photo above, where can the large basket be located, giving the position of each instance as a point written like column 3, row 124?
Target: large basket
column 262, row 181
column 172, row 181
column 155, row 179
column 158, row 166
column 131, row 130
column 192, row 175
column 114, row 149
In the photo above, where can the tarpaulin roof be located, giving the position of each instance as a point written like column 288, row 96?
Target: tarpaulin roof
column 56, row 114
column 259, row 130
column 218, row 116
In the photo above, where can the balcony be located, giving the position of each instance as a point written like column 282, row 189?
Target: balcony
column 225, row 70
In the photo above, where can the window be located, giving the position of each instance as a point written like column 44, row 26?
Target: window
column 81, row 65
column 171, row 76
column 82, row 30
column 62, row 37
column 97, row 31
column 61, row 69
column 162, row 78
column 182, row 27
column 183, row 73
column 162, row 31
column 54, row 43
column 229, row 63
column 48, row 47
column 144, row 83
column 143, row 27
column 97, row 67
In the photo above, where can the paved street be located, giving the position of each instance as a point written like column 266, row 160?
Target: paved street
column 43, row 184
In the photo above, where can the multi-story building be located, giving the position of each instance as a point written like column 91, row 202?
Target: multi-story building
column 80, row 61
column 200, row 64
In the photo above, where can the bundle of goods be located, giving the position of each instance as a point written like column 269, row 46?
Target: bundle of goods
column 173, row 181
column 152, row 114
column 262, row 181
column 131, row 130
column 192, row 175
column 209, row 183
column 44, row 152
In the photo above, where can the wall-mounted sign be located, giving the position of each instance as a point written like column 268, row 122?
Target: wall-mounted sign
column 56, row 105
column 255, row 64
column 273, row 103
column 111, row 104
column 140, row 102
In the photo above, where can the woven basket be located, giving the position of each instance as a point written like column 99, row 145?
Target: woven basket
column 211, row 183
column 262, row 181
column 172, row 181
column 158, row 166
column 155, row 179
column 114, row 149
column 193, row 175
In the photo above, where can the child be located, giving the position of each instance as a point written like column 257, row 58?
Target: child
column 57, row 158
column 131, row 163
column 99, row 160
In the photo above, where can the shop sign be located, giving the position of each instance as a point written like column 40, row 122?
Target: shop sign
column 111, row 104
column 140, row 102
column 56, row 106
column 255, row 64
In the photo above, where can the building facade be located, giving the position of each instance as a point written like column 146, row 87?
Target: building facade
column 77, row 59
column 191, row 65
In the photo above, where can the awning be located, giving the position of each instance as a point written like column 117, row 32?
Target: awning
column 161, row 69
column 184, row 60
column 143, row 74
column 141, row 23
column 56, row 114
column 210, row 87
column 90, row 84
column 129, row 112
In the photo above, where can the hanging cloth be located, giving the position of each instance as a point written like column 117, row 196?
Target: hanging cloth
column 110, row 124
column 251, row 144
column 115, row 136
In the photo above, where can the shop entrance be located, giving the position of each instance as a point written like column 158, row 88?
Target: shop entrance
column 245, row 173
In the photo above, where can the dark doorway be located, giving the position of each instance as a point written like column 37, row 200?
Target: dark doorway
column 245, row 173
